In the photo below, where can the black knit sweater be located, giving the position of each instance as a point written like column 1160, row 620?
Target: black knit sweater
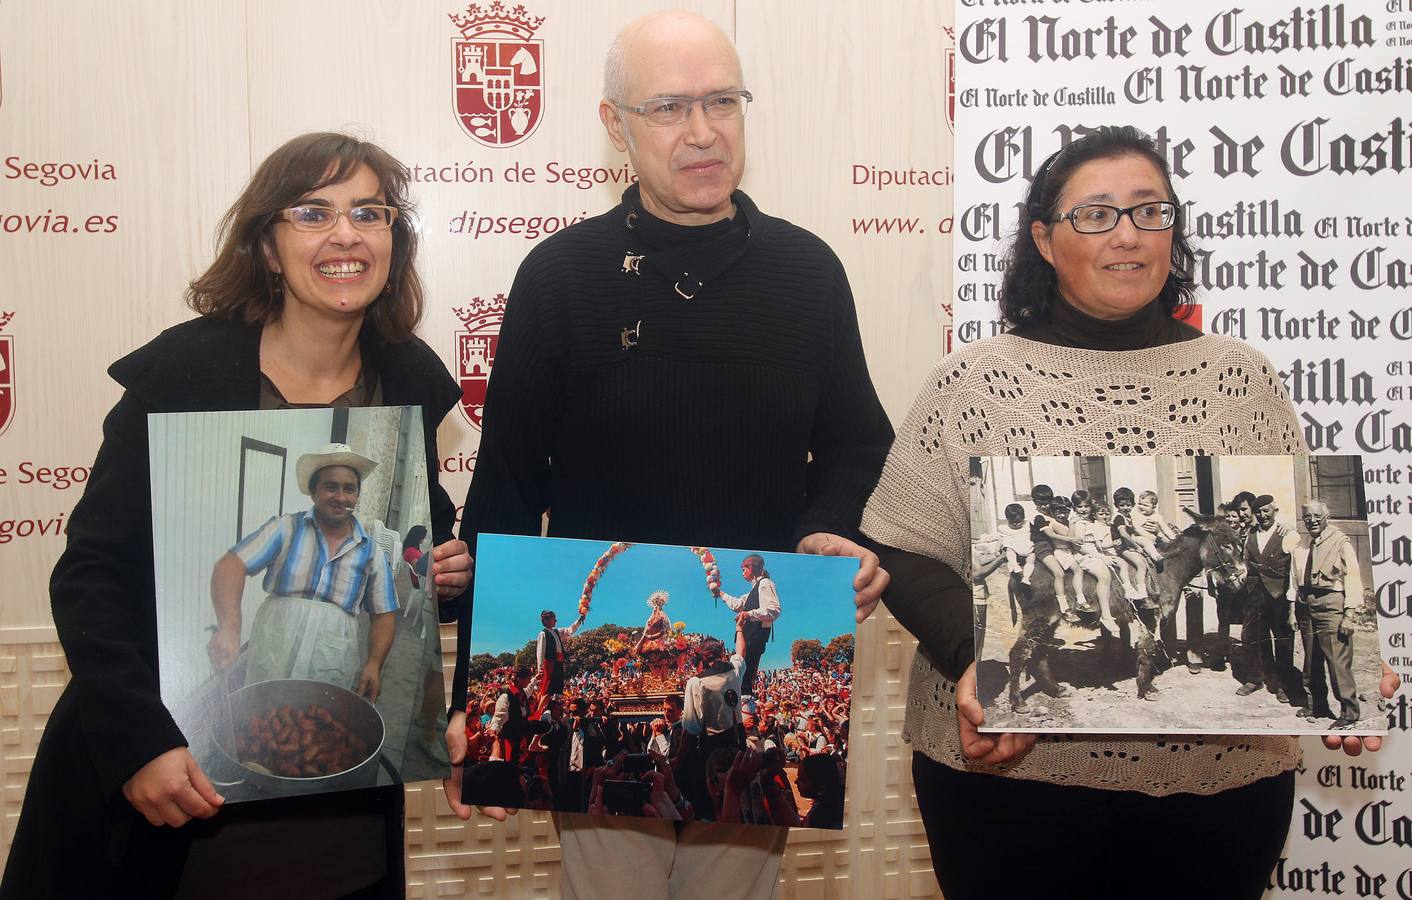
column 742, row 417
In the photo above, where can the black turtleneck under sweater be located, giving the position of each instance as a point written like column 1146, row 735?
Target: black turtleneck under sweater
column 1068, row 326
column 712, row 392
column 927, row 597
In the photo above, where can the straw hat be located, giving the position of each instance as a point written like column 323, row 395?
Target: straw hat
column 331, row 455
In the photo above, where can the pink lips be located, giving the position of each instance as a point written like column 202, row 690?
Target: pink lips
column 701, row 168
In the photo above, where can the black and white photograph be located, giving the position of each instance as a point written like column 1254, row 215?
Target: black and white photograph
column 1200, row 594
column 297, row 624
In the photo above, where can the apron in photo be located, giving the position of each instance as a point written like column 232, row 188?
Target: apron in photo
column 296, row 637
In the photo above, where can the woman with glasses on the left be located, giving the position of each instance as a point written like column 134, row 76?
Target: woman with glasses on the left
column 311, row 301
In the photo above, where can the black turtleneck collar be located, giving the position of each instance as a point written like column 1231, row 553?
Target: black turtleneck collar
column 659, row 234
column 689, row 256
column 1070, row 327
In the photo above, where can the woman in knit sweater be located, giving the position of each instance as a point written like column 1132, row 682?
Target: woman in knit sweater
column 1097, row 269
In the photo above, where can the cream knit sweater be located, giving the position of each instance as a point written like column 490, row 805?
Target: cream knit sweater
column 1011, row 396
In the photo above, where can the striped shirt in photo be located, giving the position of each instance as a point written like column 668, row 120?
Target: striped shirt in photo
column 297, row 563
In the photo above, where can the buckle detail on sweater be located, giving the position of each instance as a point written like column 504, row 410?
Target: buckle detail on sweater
column 630, row 336
column 693, row 285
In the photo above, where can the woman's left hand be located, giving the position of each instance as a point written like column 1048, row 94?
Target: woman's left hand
column 1354, row 745
column 990, row 748
column 871, row 579
column 451, row 567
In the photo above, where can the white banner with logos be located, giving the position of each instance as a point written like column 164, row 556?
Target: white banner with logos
column 1287, row 130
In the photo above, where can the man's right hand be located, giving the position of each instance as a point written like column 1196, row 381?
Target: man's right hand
column 456, row 748
column 224, row 647
column 970, row 715
column 172, row 790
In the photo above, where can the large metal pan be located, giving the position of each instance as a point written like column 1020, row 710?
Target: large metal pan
column 357, row 715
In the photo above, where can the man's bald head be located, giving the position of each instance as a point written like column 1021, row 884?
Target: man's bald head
column 665, row 28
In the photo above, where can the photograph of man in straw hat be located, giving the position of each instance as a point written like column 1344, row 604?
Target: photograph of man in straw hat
column 286, row 547
column 321, row 569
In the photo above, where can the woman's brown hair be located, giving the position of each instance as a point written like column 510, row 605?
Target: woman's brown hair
column 239, row 283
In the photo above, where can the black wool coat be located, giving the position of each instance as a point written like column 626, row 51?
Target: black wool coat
column 77, row 835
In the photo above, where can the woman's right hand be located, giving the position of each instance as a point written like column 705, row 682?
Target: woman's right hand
column 456, row 749
column 990, row 749
column 172, row 790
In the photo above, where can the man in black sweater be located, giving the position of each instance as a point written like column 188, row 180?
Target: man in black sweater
column 683, row 369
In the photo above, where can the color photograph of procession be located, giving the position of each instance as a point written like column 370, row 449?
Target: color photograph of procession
column 1209, row 595
column 684, row 683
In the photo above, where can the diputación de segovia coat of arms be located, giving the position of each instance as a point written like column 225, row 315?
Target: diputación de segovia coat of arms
column 498, row 93
column 7, row 373
column 475, row 351
column 948, row 78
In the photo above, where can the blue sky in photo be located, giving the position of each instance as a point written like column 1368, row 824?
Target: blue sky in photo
column 517, row 577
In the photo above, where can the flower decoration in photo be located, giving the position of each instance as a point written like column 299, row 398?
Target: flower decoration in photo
column 708, row 565
column 594, row 574
column 713, row 571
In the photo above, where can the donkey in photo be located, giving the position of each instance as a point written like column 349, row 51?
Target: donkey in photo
column 1208, row 545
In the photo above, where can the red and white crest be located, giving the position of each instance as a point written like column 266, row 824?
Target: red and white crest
column 475, row 352
column 497, row 73
column 948, row 77
column 7, row 373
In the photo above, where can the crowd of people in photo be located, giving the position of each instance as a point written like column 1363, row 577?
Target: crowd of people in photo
column 782, row 763
column 1317, row 579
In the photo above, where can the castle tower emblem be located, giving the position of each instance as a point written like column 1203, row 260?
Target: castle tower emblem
column 498, row 73
column 475, row 352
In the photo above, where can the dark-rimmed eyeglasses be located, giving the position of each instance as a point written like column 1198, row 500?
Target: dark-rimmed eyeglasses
column 323, row 218
column 1096, row 218
column 663, row 111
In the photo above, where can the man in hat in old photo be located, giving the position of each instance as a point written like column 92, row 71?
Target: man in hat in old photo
column 683, row 369
column 1267, row 634
column 1328, row 588
column 321, row 571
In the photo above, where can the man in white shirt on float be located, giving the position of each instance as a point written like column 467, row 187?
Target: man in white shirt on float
column 756, row 611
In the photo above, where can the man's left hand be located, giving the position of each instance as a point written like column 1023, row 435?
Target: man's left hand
column 1345, row 627
column 871, row 579
column 451, row 568
column 370, row 682
column 1354, row 745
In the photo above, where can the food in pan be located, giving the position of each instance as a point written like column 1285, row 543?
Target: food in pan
column 299, row 743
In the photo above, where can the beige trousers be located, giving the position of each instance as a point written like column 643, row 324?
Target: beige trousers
column 614, row 857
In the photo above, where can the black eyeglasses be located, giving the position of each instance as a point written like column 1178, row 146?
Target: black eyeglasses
column 1096, row 218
